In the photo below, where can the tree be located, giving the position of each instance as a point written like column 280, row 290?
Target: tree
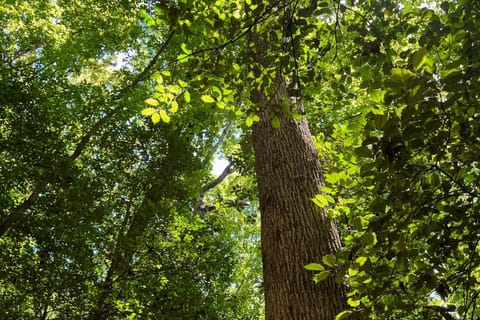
column 295, row 231
column 108, row 206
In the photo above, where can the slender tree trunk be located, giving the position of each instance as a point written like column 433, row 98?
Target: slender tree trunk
column 294, row 230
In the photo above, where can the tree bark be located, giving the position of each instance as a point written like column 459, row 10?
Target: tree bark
column 294, row 231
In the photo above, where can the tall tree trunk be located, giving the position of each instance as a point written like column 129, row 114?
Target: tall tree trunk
column 294, row 230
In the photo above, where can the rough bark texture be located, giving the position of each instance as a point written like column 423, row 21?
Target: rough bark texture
column 295, row 232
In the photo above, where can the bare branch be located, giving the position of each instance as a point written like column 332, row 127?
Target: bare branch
column 201, row 207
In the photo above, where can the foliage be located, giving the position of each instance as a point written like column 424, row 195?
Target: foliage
column 96, row 203
column 99, row 180
column 411, row 237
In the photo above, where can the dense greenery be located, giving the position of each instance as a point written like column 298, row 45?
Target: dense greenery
column 95, row 199
column 112, row 114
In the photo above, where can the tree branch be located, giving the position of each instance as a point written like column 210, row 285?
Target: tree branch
column 201, row 207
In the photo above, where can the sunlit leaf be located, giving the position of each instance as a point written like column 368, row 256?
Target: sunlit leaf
column 361, row 260
column 182, row 83
column 221, row 105
column 184, row 48
column 344, row 315
column 251, row 118
column 186, row 95
column 155, row 118
column 174, row 106
column 402, row 74
column 320, row 200
column 353, row 302
column 164, row 116
column 158, row 78
column 148, row 111
column 314, row 267
column 152, row 102
column 207, row 99
column 329, row 260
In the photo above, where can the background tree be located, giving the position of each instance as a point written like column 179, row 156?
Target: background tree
column 97, row 204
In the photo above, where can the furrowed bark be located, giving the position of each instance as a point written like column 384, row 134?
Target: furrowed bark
column 294, row 231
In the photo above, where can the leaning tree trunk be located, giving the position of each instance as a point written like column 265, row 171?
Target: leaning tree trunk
column 294, row 230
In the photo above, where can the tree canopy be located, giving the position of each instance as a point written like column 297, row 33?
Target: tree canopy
column 114, row 113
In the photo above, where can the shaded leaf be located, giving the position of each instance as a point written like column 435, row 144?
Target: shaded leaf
column 419, row 58
column 329, row 260
column 321, row 276
column 276, row 122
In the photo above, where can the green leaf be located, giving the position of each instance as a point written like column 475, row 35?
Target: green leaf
column 174, row 89
column 419, row 58
column 329, row 260
column 186, row 95
column 155, row 118
column 353, row 302
column 184, row 48
column 276, row 122
column 369, row 238
column 363, row 151
column 157, row 77
column 329, row 198
column 148, row 111
column 314, row 267
column 251, row 118
column 183, row 57
column 361, row 260
column 174, row 106
column 377, row 96
column 164, row 116
column 402, row 74
column 152, row 102
column 182, row 83
column 320, row 201
column 344, row 315
column 207, row 99
column 321, row 276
